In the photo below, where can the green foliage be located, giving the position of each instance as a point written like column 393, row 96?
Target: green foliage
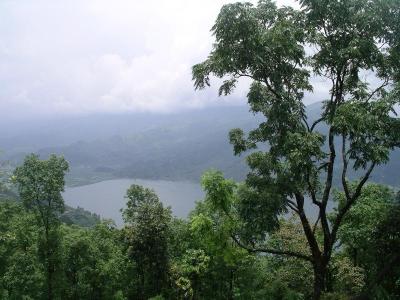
column 21, row 275
column 40, row 183
column 162, row 257
column 352, row 252
column 79, row 216
column 219, row 190
column 3, row 179
column 365, row 216
column 94, row 262
column 293, row 275
column 297, row 160
column 218, row 267
column 280, row 291
column 371, row 237
column 146, row 234
column 347, row 279
column 91, row 263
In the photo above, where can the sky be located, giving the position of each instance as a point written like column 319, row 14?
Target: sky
column 89, row 56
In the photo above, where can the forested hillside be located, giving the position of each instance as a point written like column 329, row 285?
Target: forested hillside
column 157, row 256
column 180, row 146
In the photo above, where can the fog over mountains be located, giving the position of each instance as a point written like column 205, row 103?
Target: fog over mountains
column 177, row 146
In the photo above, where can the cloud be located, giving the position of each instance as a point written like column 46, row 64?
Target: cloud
column 74, row 56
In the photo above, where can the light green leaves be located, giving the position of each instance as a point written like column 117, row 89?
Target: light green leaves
column 220, row 191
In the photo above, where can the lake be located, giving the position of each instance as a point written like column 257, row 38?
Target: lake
column 106, row 198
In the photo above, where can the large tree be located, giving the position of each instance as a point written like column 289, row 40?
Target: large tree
column 40, row 183
column 354, row 46
column 147, row 224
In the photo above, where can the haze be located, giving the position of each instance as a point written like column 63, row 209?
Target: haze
column 79, row 57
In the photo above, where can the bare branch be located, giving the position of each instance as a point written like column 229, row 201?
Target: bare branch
column 292, row 203
column 362, row 182
column 303, row 117
column 238, row 75
column 323, row 166
column 293, row 206
column 385, row 83
column 316, row 122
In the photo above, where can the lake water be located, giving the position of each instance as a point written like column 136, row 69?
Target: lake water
column 106, row 198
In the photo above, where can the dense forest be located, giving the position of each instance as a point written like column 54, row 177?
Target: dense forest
column 157, row 256
column 250, row 239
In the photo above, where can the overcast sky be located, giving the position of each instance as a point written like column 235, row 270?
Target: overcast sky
column 82, row 56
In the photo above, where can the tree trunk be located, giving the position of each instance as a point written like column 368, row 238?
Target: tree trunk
column 319, row 279
column 49, row 283
column 231, row 278
column 49, row 265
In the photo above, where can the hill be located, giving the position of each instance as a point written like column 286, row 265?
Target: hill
column 178, row 146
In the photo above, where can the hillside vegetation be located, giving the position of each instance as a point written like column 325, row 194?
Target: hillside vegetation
column 180, row 146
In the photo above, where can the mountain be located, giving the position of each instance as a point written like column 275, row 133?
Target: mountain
column 178, row 146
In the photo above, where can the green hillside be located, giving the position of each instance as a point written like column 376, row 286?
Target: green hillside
column 179, row 146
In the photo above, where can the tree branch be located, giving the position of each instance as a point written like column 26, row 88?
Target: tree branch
column 385, row 83
column 272, row 251
column 311, row 189
column 316, row 223
column 312, row 242
column 323, row 166
column 350, row 202
column 316, row 122
column 306, row 123
column 292, row 205
column 344, row 171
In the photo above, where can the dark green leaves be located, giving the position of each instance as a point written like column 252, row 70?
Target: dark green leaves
column 40, row 183
column 146, row 235
column 372, row 129
column 260, row 42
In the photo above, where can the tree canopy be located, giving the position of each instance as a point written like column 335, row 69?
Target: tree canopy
column 281, row 49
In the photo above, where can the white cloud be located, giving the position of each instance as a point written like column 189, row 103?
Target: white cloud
column 75, row 56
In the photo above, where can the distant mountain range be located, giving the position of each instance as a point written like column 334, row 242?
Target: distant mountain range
column 177, row 146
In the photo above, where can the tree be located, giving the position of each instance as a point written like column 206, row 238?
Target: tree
column 370, row 236
column 387, row 237
column 230, row 272
column 2, row 179
column 233, row 273
column 40, row 183
column 95, row 264
column 279, row 50
column 5, row 192
column 146, row 233
column 21, row 275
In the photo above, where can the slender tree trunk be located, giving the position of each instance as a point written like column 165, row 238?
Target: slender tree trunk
column 49, row 282
column 320, row 269
column 49, row 265
column 142, row 282
column 231, row 279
